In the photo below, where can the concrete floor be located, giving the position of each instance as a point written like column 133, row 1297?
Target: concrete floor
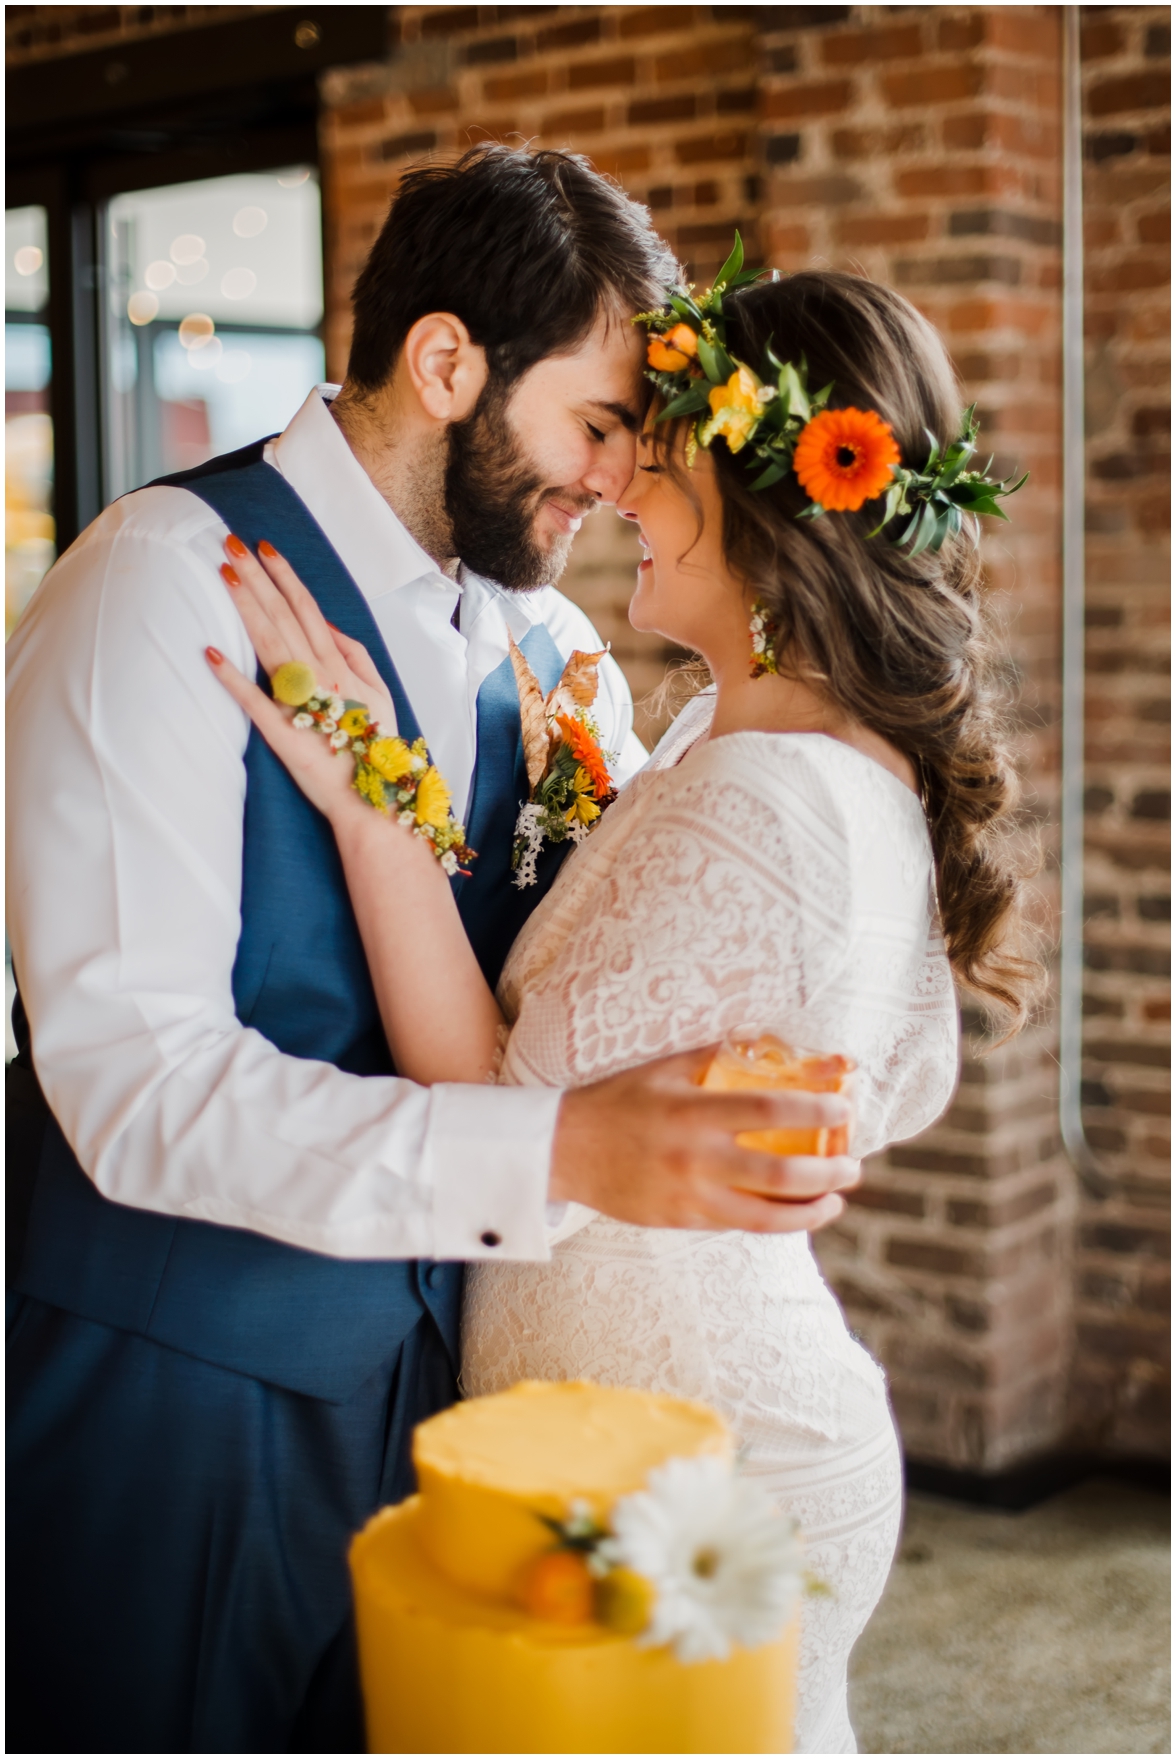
column 1041, row 1632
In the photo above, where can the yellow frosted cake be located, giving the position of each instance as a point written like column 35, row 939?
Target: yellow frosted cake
column 581, row 1572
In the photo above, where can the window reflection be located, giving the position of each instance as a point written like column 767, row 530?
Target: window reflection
column 214, row 302
column 29, row 546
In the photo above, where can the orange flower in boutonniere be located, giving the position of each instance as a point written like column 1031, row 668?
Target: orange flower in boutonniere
column 845, row 457
column 567, row 771
column 587, row 753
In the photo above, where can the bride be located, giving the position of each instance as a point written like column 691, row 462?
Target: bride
column 816, row 849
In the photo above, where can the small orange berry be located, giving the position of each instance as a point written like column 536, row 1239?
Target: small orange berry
column 683, row 338
column 663, row 359
column 557, row 1588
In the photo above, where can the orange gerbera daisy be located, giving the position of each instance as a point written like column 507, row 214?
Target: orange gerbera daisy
column 845, row 457
column 586, row 753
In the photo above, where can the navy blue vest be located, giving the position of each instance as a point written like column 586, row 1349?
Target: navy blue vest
column 296, row 1319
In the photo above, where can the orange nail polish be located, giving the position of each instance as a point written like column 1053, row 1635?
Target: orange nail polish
column 234, row 545
column 265, row 549
column 229, row 575
column 215, row 655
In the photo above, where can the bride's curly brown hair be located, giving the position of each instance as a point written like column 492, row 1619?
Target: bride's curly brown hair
column 900, row 643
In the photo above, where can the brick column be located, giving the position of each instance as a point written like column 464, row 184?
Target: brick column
column 923, row 150
column 1120, row 1394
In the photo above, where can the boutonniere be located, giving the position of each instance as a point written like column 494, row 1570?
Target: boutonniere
column 567, row 772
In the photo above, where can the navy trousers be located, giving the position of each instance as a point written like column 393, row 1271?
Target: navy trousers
column 207, row 1610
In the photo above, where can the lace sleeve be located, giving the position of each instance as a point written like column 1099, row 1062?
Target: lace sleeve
column 722, row 909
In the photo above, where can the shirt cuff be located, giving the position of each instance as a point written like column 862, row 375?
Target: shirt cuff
column 488, row 1160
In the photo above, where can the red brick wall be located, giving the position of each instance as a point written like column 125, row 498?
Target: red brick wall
column 1120, row 1391
column 922, row 148
column 919, row 145
column 38, row 33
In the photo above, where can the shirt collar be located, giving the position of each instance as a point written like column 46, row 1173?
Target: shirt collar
column 323, row 471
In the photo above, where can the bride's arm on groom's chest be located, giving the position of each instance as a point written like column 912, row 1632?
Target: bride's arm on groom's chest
column 126, row 790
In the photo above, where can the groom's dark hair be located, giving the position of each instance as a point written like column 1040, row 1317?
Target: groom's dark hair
column 526, row 248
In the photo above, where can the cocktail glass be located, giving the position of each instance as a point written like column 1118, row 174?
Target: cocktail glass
column 766, row 1063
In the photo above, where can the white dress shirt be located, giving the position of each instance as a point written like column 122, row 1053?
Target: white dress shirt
column 126, row 788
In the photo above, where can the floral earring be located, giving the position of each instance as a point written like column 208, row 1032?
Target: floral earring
column 764, row 631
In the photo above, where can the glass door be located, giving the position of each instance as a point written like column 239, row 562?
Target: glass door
column 29, row 532
column 212, row 311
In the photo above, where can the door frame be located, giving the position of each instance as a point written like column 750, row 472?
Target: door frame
column 177, row 107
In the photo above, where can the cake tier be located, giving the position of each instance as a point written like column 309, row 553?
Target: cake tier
column 490, row 1468
column 446, row 1672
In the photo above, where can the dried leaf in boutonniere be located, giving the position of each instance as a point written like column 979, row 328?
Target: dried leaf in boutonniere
column 567, row 772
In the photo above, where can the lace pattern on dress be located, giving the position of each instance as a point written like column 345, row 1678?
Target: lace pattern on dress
column 755, row 881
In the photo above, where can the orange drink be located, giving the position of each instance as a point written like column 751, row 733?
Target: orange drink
column 768, row 1064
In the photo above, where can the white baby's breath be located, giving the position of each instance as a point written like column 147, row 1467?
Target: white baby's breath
column 529, row 833
column 725, row 1564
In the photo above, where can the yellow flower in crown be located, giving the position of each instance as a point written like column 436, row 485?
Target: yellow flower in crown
column 433, row 798
column 736, row 408
column 354, row 721
column 391, row 759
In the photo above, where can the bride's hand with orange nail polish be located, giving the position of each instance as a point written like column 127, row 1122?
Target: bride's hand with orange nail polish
column 284, row 623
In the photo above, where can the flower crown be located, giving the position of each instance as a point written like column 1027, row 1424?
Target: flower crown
column 842, row 458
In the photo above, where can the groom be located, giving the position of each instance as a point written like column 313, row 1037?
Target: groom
column 238, row 1235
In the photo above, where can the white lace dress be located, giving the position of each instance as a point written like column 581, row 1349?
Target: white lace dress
column 764, row 881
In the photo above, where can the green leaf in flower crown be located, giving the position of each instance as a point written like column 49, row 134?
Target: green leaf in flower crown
column 708, row 360
column 775, row 472
column 814, row 510
column 822, row 397
column 686, row 403
column 956, row 463
column 925, row 529
column 732, row 265
column 792, row 392
column 947, row 524
column 683, row 306
column 894, row 503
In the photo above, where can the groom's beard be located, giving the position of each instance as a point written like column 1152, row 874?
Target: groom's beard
column 493, row 497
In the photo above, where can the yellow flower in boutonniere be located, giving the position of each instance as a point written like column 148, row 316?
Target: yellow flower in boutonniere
column 433, row 798
column 391, row 759
column 583, row 809
column 736, row 408
column 354, row 722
